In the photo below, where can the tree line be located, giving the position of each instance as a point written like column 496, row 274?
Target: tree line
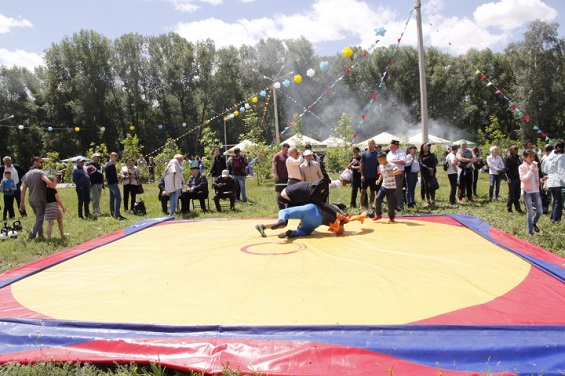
column 93, row 91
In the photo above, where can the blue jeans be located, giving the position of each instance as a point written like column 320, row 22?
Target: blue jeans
column 411, row 181
column 557, row 211
column 115, row 200
column 494, row 182
column 241, row 181
column 531, row 200
column 309, row 216
column 174, row 199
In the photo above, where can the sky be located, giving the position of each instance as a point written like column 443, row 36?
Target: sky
column 29, row 27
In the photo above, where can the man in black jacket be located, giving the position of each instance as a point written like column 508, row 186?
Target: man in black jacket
column 225, row 187
column 511, row 164
column 94, row 170
column 197, row 189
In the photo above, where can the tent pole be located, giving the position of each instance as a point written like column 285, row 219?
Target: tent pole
column 422, row 66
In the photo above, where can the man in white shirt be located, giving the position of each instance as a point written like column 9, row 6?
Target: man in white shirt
column 293, row 163
column 310, row 169
column 397, row 156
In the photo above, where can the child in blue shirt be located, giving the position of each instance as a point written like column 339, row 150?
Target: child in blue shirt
column 9, row 189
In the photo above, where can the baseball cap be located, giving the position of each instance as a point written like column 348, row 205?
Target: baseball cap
column 225, row 173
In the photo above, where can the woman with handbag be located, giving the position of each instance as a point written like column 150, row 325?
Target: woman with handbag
column 130, row 173
column 428, row 163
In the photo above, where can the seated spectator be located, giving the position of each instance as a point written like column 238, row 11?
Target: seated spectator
column 225, row 187
column 197, row 188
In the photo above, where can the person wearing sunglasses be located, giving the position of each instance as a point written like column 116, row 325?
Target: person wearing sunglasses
column 36, row 181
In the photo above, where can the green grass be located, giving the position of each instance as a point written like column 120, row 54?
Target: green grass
column 14, row 253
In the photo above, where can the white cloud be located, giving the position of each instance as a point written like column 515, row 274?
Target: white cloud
column 191, row 6
column 20, row 58
column 8, row 23
column 512, row 14
column 247, row 1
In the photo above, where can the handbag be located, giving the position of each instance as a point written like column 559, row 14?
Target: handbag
column 433, row 184
column 140, row 189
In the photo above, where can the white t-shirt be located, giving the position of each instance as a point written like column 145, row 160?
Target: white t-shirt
column 389, row 181
column 450, row 161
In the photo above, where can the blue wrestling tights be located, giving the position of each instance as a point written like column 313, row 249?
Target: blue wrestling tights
column 309, row 214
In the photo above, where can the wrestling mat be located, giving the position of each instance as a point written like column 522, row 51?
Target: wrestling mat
column 429, row 294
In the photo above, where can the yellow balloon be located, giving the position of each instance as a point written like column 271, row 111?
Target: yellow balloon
column 236, row 113
column 347, row 51
column 298, row 78
column 131, row 128
column 254, row 100
column 226, row 118
column 207, row 122
column 77, row 129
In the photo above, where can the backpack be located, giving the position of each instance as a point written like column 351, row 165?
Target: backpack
column 139, row 208
column 238, row 165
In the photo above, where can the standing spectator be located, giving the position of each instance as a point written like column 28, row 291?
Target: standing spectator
column 530, row 187
column 529, row 145
column 314, row 155
column 17, row 172
column 452, row 162
column 280, row 172
column 53, row 209
column 237, row 167
column 466, row 159
column 197, row 188
column 163, row 196
column 112, row 179
column 293, row 163
column 94, row 169
column 130, row 174
column 225, row 187
column 151, row 166
column 37, row 182
column 354, row 166
column 398, row 157
column 218, row 163
column 141, row 162
column 81, row 181
column 495, row 170
column 8, row 187
column 411, row 171
column 554, row 168
column 173, row 181
column 388, row 172
column 310, row 169
column 368, row 167
column 511, row 167
column 477, row 166
column 428, row 162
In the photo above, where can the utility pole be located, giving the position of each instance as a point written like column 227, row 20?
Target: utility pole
column 422, row 66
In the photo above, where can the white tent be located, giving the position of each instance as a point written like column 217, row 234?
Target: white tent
column 301, row 141
column 74, row 159
column 469, row 143
column 417, row 140
column 383, row 139
column 242, row 146
column 333, row 142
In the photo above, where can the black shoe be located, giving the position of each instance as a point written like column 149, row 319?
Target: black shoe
column 285, row 234
column 121, row 218
column 261, row 229
column 536, row 228
column 279, row 224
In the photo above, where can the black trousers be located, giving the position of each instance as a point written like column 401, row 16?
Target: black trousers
column 187, row 196
column 513, row 195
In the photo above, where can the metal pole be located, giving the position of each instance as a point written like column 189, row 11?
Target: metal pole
column 276, row 112
column 225, row 138
column 422, row 66
column 9, row 117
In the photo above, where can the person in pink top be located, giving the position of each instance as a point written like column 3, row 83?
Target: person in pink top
column 530, row 187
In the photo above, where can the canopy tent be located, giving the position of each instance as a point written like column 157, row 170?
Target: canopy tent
column 417, row 139
column 469, row 143
column 74, row 159
column 302, row 140
column 333, row 142
column 383, row 138
column 243, row 145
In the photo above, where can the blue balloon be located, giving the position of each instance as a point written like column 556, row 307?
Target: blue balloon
column 242, row 109
column 286, row 83
column 160, row 126
column 50, row 129
column 324, row 65
column 380, row 31
column 263, row 93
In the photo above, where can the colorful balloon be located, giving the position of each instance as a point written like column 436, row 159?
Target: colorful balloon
column 263, row 93
column 230, row 116
column 247, row 106
column 50, row 129
column 20, row 127
column 184, row 125
column 277, row 85
column 298, row 78
column 324, row 65
column 380, row 31
column 347, row 51
column 236, row 113
column 242, row 109
column 77, row 129
column 160, row 126
column 131, row 128
column 286, row 83
column 254, row 100
column 102, row 129
column 310, row 72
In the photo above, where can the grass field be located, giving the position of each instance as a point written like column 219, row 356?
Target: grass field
column 16, row 252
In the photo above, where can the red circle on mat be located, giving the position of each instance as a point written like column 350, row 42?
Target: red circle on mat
column 266, row 248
